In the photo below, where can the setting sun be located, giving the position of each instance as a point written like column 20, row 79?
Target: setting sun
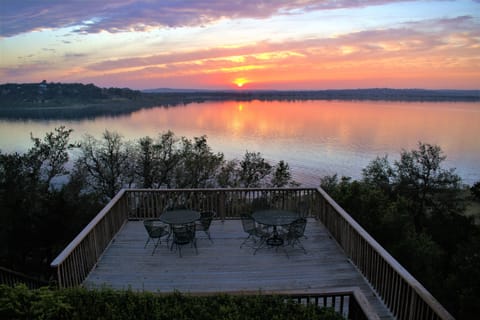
column 240, row 82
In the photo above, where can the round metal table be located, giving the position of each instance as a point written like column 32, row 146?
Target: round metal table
column 275, row 218
column 180, row 216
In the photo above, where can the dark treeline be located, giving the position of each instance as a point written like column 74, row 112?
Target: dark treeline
column 416, row 210
column 74, row 100
column 414, row 207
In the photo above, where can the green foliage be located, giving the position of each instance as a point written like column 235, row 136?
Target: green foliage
column 282, row 176
column 227, row 176
column 475, row 189
column 198, row 165
column 53, row 94
column 38, row 216
column 414, row 208
column 78, row 303
column 107, row 163
column 420, row 177
column 253, row 169
column 155, row 160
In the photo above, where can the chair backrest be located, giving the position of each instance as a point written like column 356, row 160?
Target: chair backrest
column 297, row 228
column 183, row 234
column 155, row 228
column 248, row 223
column 206, row 218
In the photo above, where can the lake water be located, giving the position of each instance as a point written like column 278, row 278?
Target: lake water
column 316, row 138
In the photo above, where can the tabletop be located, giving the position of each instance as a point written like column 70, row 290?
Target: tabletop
column 275, row 217
column 180, row 216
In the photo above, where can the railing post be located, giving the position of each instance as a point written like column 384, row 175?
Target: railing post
column 221, row 205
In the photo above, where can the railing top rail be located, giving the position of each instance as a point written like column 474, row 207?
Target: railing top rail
column 417, row 286
column 78, row 239
column 221, row 189
column 338, row 291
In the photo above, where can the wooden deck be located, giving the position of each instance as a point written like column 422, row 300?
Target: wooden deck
column 222, row 266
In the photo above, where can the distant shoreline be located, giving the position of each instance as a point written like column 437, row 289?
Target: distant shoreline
column 79, row 101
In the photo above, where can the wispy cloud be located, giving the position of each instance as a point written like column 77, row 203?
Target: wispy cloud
column 407, row 40
column 92, row 16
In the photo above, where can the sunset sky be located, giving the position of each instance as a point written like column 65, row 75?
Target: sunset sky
column 252, row 44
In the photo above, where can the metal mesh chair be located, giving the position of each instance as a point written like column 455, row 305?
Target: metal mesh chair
column 254, row 232
column 156, row 230
column 183, row 235
column 296, row 230
column 205, row 221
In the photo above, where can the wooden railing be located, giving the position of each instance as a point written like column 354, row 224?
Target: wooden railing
column 227, row 203
column 348, row 302
column 400, row 291
column 351, row 303
column 12, row 278
column 75, row 262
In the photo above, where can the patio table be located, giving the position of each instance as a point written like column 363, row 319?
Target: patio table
column 275, row 218
column 180, row 216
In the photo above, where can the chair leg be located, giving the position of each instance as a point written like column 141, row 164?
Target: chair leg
column 209, row 237
column 156, row 245
column 245, row 241
column 195, row 245
column 148, row 240
column 262, row 241
column 299, row 244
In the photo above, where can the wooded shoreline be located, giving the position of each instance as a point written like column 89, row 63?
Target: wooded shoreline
column 79, row 101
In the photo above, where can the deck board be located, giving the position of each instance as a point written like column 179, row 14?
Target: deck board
column 223, row 266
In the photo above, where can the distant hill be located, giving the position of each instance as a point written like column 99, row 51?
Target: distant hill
column 169, row 90
column 76, row 100
column 57, row 94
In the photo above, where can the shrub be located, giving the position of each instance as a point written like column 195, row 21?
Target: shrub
column 475, row 189
column 106, row 304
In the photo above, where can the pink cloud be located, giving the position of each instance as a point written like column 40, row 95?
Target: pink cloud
column 91, row 16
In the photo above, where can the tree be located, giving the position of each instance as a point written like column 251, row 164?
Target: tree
column 107, row 163
column 145, row 162
column 36, row 218
column 227, row 176
column 167, row 153
column 49, row 156
column 155, row 161
column 199, row 165
column 253, row 170
column 475, row 190
column 420, row 177
column 379, row 174
column 282, row 177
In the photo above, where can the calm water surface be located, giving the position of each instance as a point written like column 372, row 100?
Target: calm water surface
column 316, row 138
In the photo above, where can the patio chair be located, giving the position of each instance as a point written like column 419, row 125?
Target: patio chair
column 183, row 235
column 155, row 230
column 254, row 232
column 296, row 230
column 205, row 221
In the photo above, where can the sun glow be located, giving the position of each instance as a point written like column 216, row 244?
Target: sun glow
column 240, row 82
